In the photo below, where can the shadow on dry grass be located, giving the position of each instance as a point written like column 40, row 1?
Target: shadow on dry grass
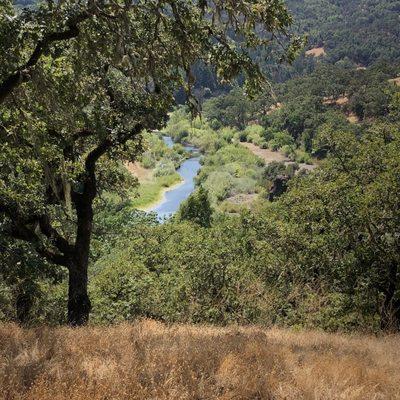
column 148, row 360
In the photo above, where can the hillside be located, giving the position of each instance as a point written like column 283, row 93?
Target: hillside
column 349, row 33
column 363, row 31
column 148, row 360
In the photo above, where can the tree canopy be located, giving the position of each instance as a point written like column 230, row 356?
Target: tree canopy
column 79, row 84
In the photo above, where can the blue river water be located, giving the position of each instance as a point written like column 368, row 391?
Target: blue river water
column 173, row 198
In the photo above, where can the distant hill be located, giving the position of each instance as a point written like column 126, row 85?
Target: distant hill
column 350, row 33
column 358, row 33
column 362, row 31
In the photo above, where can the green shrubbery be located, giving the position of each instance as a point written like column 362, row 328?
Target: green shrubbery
column 302, row 156
column 320, row 256
column 164, row 168
column 228, row 168
column 255, row 134
column 178, row 273
column 197, row 208
column 182, row 128
column 229, row 171
column 279, row 140
column 157, row 153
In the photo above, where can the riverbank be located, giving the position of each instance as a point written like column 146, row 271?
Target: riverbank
column 152, row 196
column 151, row 189
column 164, row 194
column 269, row 156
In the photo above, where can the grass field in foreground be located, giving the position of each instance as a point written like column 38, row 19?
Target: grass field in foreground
column 149, row 360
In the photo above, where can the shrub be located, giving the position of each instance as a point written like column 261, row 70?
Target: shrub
column 228, row 133
column 6, row 303
column 243, row 136
column 243, row 185
column 272, row 170
column 164, row 168
column 178, row 148
column 197, row 208
column 280, row 139
column 303, row 157
column 148, row 161
column 121, row 292
column 289, row 151
column 218, row 184
column 255, row 134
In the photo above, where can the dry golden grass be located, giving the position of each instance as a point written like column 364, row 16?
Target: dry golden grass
column 340, row 101
column 352, row 118
column 148, row 360
column 267, row 155
column 137, row 170
column 395, row 81
column 316, row 52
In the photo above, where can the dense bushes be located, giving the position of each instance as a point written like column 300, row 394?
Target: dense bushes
column 302, row 106
column 228, row 168
column 230, row 171
column 175, row 272
column 197, row 208
column 158, row 155
column 324, row 255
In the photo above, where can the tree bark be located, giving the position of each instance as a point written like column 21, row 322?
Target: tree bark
column 79, row 305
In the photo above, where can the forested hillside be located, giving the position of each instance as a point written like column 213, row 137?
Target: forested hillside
column 349, row 33
column 362, row 31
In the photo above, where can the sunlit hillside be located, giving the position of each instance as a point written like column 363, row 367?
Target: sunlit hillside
column 148, row 360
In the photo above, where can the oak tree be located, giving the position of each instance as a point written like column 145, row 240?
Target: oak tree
column 79, row 83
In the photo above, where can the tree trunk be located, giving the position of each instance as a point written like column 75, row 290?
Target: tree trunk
column 78, row 299
column 390, row 313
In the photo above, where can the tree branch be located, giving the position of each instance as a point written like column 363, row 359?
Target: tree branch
column 20, row 230
column 23, row 73
column 51, row 233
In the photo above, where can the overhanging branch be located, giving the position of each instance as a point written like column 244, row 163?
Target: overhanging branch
column 24, row 229
column 23, row 73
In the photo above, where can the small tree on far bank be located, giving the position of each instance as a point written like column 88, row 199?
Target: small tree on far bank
column 197, row 208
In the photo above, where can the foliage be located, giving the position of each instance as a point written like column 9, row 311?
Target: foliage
column 158, row 154
column 230, row 109
column 303, row 106
column 197, row 209
column 231, row 170
column 325, row 254
column 164, row 168
column 339, row 225
column 279, row 140
column 255, row 134
column 350, row 29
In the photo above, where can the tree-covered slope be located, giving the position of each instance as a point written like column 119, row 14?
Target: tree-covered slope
column 361, row 30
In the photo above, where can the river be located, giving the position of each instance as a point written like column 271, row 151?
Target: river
column 173, row 198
